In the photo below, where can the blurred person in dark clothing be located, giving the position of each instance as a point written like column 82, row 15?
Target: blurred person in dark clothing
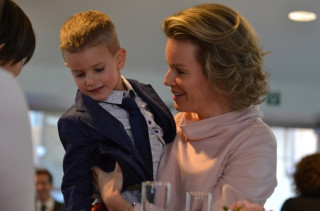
column 307, row 184
column 44, row 186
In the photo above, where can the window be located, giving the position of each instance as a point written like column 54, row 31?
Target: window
column 47, row 148
column 292, row 145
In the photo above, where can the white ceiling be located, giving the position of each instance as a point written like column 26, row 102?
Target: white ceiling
column 294, row 62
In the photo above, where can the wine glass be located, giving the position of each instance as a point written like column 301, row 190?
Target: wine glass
column 198, row 201
column 155, row 196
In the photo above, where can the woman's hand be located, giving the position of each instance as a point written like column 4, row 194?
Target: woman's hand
column 108, row 182
column 109, row 186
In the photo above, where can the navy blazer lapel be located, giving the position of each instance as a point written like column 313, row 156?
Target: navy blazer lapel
column 103, row 122
column 158, row 109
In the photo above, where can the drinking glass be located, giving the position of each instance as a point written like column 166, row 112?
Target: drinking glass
column 198, row 201
column 155, row 196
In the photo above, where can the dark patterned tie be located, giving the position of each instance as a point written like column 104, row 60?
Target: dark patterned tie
column 139, row 130
column 43, row 207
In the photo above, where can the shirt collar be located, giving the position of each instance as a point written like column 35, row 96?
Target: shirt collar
column 49, row 204
column 115, row 97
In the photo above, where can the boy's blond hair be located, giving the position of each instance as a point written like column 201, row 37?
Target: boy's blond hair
column 88, row 29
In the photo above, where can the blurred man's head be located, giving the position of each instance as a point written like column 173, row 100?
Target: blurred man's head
column 44, row 185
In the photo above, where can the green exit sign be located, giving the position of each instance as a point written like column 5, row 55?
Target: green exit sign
column 274, row 99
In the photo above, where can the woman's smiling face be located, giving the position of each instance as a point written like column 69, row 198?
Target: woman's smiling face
column 190, row 87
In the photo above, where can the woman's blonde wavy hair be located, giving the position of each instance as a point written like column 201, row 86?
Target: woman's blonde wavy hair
column 228, row 49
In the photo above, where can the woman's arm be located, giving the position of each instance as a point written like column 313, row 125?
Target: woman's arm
column 249, row 173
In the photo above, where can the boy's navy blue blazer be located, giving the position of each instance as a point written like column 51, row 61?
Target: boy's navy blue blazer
column 92, row 136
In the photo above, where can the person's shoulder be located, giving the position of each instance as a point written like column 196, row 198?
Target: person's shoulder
column 292, row 199
column 58, row 203
column 58, row 206
column 144, row 90
column 71, row 111
column 252, row 124
column 133, row 81
column 5, row 74
column 11, row 93
column 137, row 84
column 76, row 109
column 301, row 203
column 8, row 81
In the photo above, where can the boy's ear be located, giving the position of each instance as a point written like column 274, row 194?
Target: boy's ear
column 66, row 64
column 121, row 58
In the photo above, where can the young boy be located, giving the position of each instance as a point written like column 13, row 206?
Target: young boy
column 96, row 131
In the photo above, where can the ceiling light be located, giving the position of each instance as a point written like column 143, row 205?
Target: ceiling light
column 302, row 16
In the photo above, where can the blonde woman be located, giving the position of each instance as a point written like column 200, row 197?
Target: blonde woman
column 217, row 81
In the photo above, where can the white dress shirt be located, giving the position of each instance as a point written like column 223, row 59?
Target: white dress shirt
column 49, row 204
